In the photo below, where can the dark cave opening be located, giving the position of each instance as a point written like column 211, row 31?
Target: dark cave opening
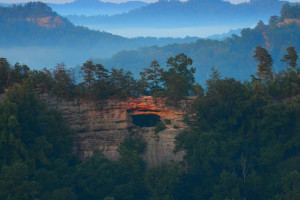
column 145, row 120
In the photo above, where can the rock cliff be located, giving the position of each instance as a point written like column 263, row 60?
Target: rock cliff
column 103, row 126
column 47, row 21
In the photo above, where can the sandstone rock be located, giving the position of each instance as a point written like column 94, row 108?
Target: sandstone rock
column 104, row 126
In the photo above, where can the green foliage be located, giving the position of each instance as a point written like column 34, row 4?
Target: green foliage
column 161, row 181
column 32, row 138
column 131, row 184
column 88, row 70
column 18, row 73
column 154, row 77
column 291, row 186
column 96, row 178
column 273, row 21
column 179, row 78
column 14, row 182
column 242, row 141
column 265, row 63
column 167, row 121
column 4, row 68
column 122, row 83
column 63, row 83
column 41, row 80
column 291, row 58
column 160, row 127
column 288, row 11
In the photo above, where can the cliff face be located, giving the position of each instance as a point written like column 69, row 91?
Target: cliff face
column 288, row 21
column 105, row 125
column 35, row 12
column 47, row 22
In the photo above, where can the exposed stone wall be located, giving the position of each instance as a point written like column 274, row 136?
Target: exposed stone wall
column 103, row 126
column 287, row 21
column 47, row 22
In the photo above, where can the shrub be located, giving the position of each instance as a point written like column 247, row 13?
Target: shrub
column 160, row 127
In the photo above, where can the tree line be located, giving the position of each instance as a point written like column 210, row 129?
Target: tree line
column 100, row 83
column 232, row 56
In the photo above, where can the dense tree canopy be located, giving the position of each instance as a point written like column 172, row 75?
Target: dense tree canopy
column 242, row 140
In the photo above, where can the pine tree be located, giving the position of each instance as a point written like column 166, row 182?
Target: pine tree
column 154, row 75
column 101, row 87
column 101, row 73
column 211, row 83
column 88, row 70
column 179, row 77
column 4, row 74
column 265, row 63
column 63, row 83
column 291, row 57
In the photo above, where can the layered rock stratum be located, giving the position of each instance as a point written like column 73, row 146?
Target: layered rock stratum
column 105, row 125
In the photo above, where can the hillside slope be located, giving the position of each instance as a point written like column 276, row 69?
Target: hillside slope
column 233, row 57
column 34, row 34
column 95, row 7
column 191, row 13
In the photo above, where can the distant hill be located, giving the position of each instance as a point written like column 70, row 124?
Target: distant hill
column 95, row 7
column 191, row 13
column 233, row 57
column 32, row 13
column 225, row 35
column 34, row 34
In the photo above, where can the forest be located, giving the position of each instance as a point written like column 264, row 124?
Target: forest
column 232, row 56
column 192, row 13
column 27, row 37
column 242, row 142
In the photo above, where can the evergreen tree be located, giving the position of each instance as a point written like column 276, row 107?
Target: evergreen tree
column 88, row 70
column 19, row 73
column 265, row 63
column 211, row 83
column 101, row 73
column 291, row 57
column 122, row 83
column 101, row 86
column 41, row 80
column 273, row 21
column 143, row 84
column 179, row 78
column 63, row 84
column 161, row 181
column 14, row 183
column 4, row 74
column 154, row 75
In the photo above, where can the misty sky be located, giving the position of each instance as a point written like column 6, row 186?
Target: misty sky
column 115, row 1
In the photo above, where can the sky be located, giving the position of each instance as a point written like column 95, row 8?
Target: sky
column 114, row 1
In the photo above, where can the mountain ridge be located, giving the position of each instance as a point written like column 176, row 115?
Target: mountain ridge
column 34, row 27
column 95, row 7
column 188, row 14
column 232, row 56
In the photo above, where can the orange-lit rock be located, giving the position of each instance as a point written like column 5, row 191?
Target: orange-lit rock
column 47, row 22
column 287, row 21
column 103, row 126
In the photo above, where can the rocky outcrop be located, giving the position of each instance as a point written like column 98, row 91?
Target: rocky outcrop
column 287, row 21
column 103, row 126
column 47, row 22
